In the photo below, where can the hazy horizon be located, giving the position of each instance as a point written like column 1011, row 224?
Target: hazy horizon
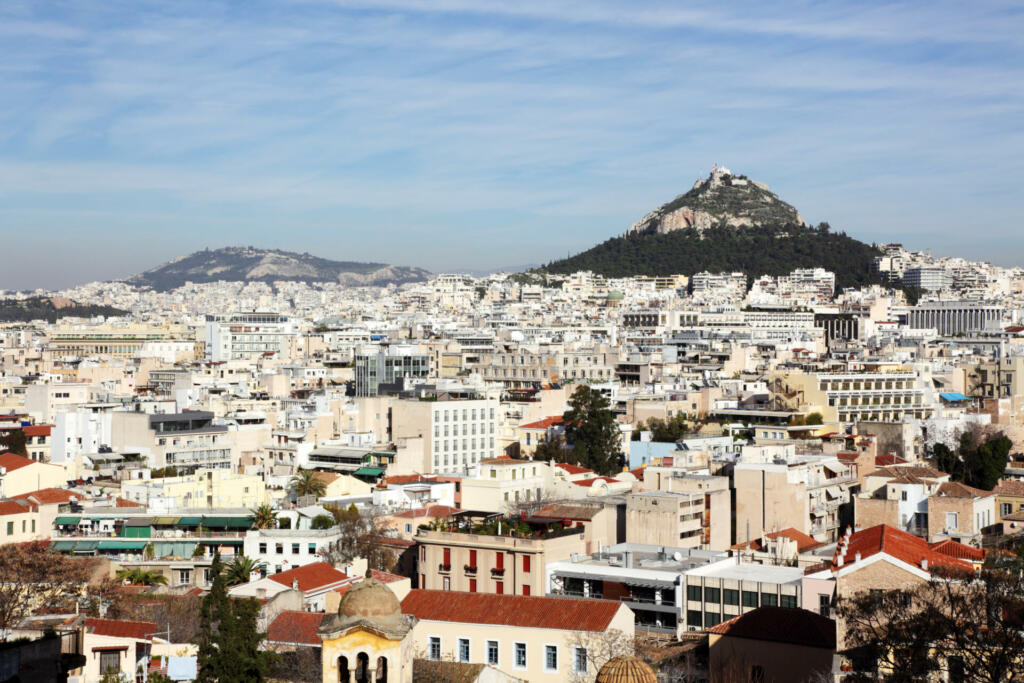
column 458, row 136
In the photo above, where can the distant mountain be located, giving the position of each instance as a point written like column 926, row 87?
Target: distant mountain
column 726, row 223
column 241, row 264
column 51, row 309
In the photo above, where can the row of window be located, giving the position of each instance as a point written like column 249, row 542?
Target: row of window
column 466, row 429
column 24, row 527
column 467, row 444
column 467, row 414
column 519, row 654
column 296, row 548
column 732, row 596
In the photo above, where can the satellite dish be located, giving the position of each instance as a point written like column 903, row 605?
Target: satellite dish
column 677, row 556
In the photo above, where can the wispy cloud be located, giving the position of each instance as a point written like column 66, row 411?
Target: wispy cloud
column 537, row 123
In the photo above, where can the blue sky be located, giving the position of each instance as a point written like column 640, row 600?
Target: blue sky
column 464, row 134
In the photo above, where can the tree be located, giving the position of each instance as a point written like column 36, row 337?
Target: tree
column 598, row 648
column 361, row 536
column 240, row 570
column 142, row 577
column 592, row 431
column 322, row 522
column 32, row 576
column 973, row 621
column 813, row 419
column 229, row 642
column 264, row 517
column 307, row 483
column 979, row 459
column 668, row 431
column 14, row 441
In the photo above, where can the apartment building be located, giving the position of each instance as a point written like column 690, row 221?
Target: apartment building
column 457, row 434
column 954, row 317
column 278, row 550
column 388, row 365
column 45, row 401
column 201, row 489
column 239, row 336
column 890, row 394
column 492, row 558
column 531, row 366
column 702, row 498
column 776, row 488
column 720, row 591
column 504, row 483
column 187, row 441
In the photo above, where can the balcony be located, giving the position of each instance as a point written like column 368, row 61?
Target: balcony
column 444, row 568
column 470, row 571
column 497, row 573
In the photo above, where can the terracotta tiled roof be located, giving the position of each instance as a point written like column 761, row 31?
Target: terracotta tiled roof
column 429, row 511
column 889, row 459
column 1010, row 487
column 311, row 577
column 572, row 469
column 781, row 625
column 13, row 461
column 911, row 470
column 327, row 477
column 15, row 507
column 406, row 479
column 543, row 424
column 37, row 430
column 590, row 482
column 566, row 511
column 50, row 496
column 803, row 541
column 638, row 473
column 503, row 460
column 295, row 627
column 125, row 503
column 566, row 614
column 958, row 550
column 954, row 489
column 385, row 577
column 120, row 628
column 898, row 544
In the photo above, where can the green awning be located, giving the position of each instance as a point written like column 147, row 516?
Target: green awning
column 63, row 546
column 222, row 541
column 139, row 521
column 216, row 521
column 240, row 523
column 86, row 546
column 190, row 521
column 122, row 545
column 167, row 521
column 369, row 471
column 66, row 520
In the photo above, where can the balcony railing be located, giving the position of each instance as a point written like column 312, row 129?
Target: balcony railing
column 444, row 568
column 497, row 572
column 470, row 571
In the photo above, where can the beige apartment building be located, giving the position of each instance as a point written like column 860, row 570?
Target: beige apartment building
column 778, row 489
column 504, row 483
column 651, row 519
column 888, row 394
column 187, row 441
column 481, row 563
column 530, row 366
column 457, row 434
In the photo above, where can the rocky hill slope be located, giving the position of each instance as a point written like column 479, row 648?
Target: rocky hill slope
column 236, row 264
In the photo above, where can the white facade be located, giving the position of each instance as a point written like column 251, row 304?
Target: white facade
column 279, row 550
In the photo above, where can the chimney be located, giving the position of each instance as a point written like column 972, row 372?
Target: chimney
column 839, row 561
column 857, row 557
column 295, row 584
column 924, row 564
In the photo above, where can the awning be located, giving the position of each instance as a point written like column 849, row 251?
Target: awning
column 953, row 397
column 122, row 545
column 216, row 521
column 66, row 520
column 86, row 546
column 222, row 541
column 833, row 491
column 141, row 521
column 190, row 521
column 63, row 546
column 836, row 468
column 240, row 523
column 369, row 471
column 166, row 521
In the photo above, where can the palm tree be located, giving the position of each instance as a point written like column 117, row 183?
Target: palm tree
column 142, row 577
column 264, row 517
column 240, row 570
column 307, row 483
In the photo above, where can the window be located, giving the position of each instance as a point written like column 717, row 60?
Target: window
column 526, row 563
column 499, row 588
column 263, row 548
column 10, row 528
column 526, row 590
column 712, row 619
column 492, row 652
column 580, row 660
column 472, row 559
column 693, row 618
column 472, row 585
column 787, row 601
column 520, row 655
column 951, row 521
column 434, row 648
column 825, row 605
column 711, row 595
column 184, row 576
column 903, row 495
column 110, row 661
column 693, row 593
column 408, row 528
column 463, row 649
column 279, row 548
column 730, row 596
column 447, row 583
column 551, row 658
column 769, row 600
column 499, row 561
column 295, row 548
column 749, row 599
column 311, row 549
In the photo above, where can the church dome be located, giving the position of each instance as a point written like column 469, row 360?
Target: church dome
column 369, row 599
column 625, row 670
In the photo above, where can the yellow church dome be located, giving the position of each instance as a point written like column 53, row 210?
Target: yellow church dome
column 369, row 599
column 625, row 670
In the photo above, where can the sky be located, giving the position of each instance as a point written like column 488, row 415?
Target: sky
column 471, row 135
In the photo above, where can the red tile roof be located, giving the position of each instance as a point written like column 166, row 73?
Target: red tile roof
column 566, row 614
column 120, row 628
column 13, row 461
column 37, row 430
column 954, row 489
column 503, row 460
column 781, row 625
column 544, row 423
column 889, row 459
column 51, row 496
column 15, row 507
column 898, row 544
column 958, row 550
column 572, row 469
column 312, row 577
column 295, row 627
column 803, row 541
column 406, row 479
column 385, row 577
column 429, row 511
column 125, row 503
column 590, row 482
column 1010, row 487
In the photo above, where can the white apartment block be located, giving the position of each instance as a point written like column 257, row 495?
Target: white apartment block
column 245, row 335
